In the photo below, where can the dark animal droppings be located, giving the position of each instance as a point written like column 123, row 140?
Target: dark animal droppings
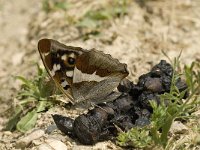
column 129, row 110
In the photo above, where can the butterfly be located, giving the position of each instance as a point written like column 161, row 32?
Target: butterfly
column 82, row 75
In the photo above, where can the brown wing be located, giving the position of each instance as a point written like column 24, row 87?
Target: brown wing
column 91, row 74
column 59, row 61
column 96, row 75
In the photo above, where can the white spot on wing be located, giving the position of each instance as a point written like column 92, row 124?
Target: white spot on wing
column 79, row 76
column 53, row 73
column 45, row 54
column 63, row 84
column 56, row 67
column 70, row 73
column 64, row 57
column 72, row 55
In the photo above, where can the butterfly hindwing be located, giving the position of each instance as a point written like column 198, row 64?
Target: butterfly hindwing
column 96, row 75
column 94, row 91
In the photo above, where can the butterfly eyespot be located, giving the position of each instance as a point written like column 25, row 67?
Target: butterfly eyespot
column 71, row 61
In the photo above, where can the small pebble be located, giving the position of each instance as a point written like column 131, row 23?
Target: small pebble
column 52, row 144
column 178, row 127
column 7, row 133
column 25, row 141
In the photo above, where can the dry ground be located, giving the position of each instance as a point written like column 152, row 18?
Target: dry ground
column 136, row 38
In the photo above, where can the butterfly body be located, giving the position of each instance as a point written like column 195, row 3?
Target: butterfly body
column 83, row 75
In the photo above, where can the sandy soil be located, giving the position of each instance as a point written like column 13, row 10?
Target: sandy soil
column 137, row 39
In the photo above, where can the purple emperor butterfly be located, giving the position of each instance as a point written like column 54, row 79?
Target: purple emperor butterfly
column 82, row 75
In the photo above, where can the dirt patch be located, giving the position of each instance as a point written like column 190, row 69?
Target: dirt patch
column 136, row 38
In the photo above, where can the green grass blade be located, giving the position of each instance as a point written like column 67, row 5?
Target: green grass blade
column 14, row 119
column 28, row 121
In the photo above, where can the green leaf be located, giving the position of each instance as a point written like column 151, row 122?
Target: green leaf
column 136, row 137
column 42, row 106
column 28, row 84
column 46, row 89
column 28, row 121
column 27, row 94
column 25, row 81
column 165, row 129
column 99, row 15
column 15, row 118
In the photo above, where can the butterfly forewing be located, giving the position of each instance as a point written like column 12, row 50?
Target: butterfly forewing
column 84, row 75
column 59, row 61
